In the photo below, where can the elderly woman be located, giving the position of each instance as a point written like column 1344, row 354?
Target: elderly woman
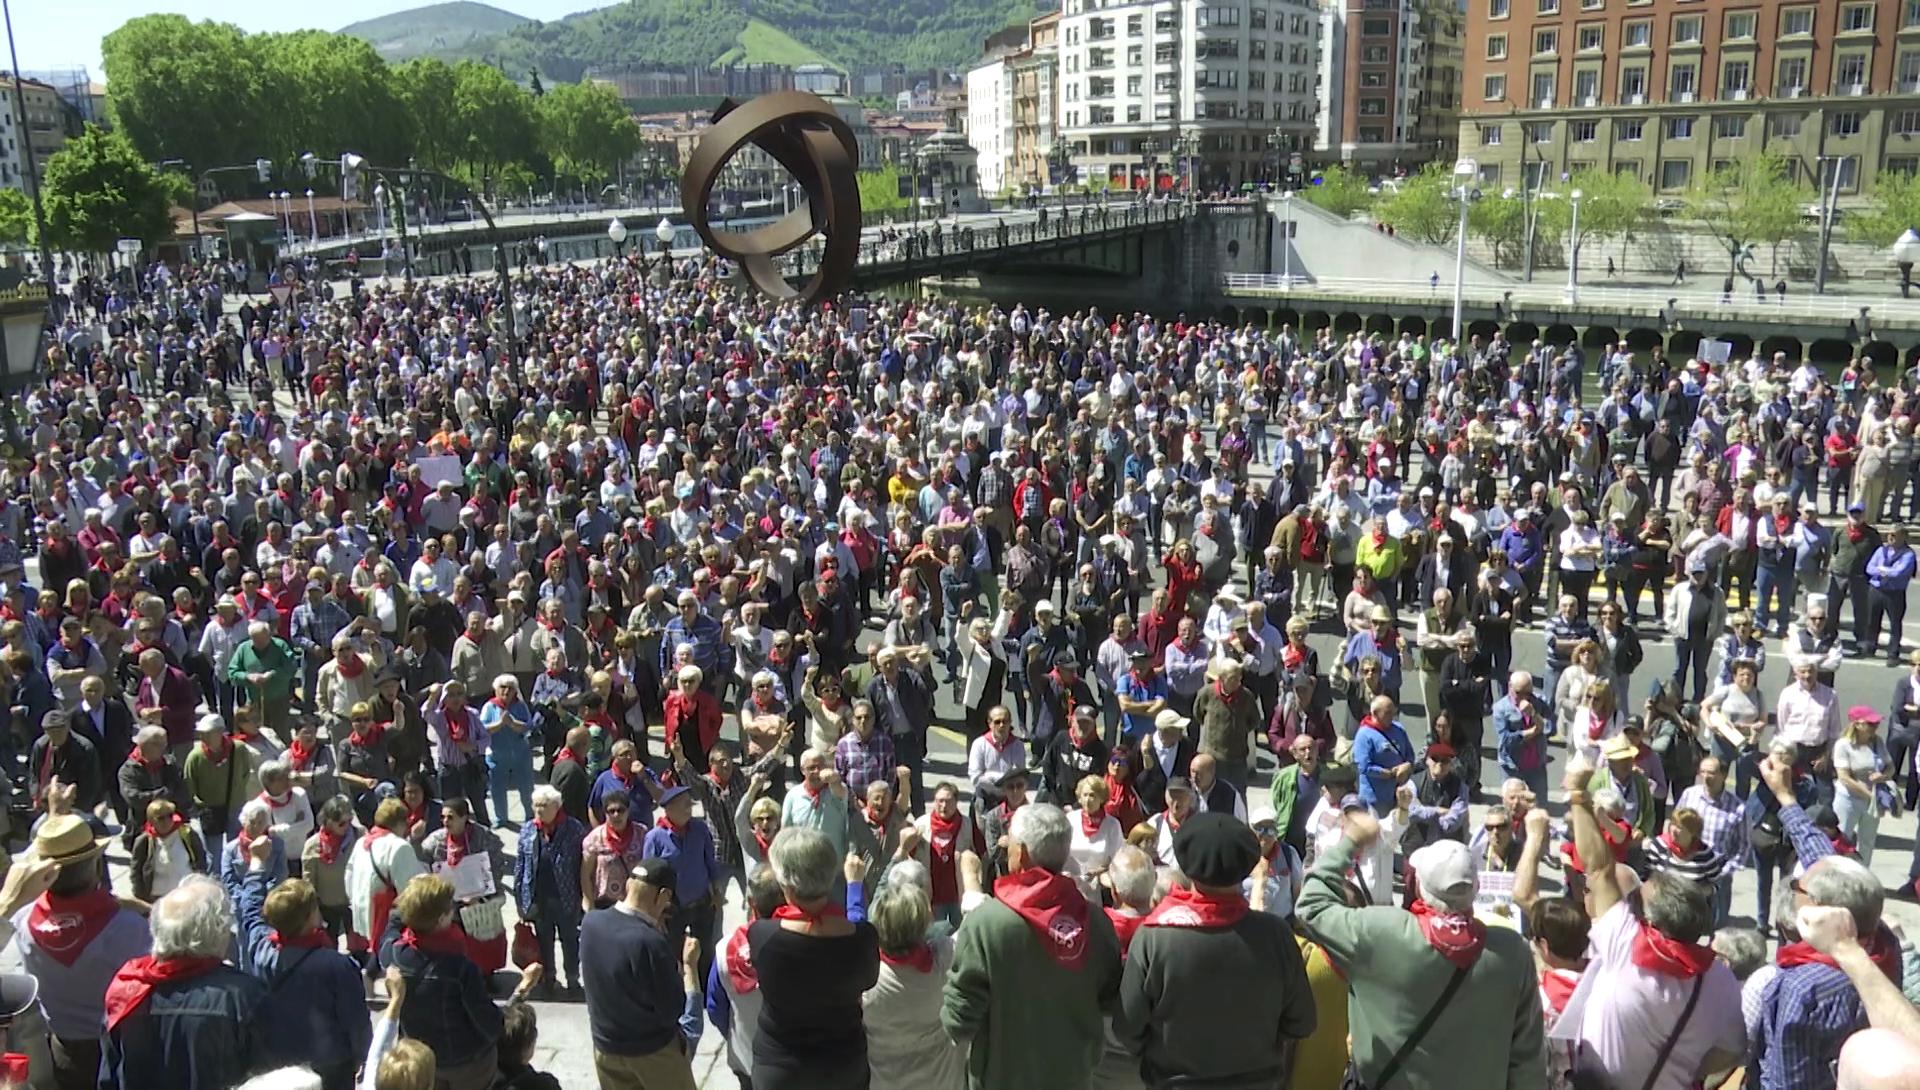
column 611, row 851
column 907, row 1049
column 983, row 674
column 323, row 863
column 508, row 721
column 360, row 760
column 1862, row 775
column 287, row 806
column 1595, row 719
column 813, row 966
column 1736, row 715
column 165, row 853
column 256, row 822
column 1096, row 834
column 446, row 851
column 310, row 764
column 1570, row 687
column 546, row 881
column 379, row 866
column 446, row 1007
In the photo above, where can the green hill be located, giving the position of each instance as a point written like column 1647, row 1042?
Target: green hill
column 435, row 29
column 848, row 34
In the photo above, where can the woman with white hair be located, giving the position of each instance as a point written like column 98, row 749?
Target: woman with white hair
column 906, row 1046
column 813, row 966
column 508, row 722
column 256, row 823
column 289, row 810
column 180, row 1018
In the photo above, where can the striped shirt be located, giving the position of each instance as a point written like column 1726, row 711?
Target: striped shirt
column 1723, row 825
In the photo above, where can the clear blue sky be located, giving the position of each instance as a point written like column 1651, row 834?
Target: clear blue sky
column 49, row 35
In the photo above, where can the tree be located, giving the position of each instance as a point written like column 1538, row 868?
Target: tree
column 99, row 189
column 16, row 217
column 333, row 94
column 1423, row 208
column 184, row 90
column 1340, row 191
column 1894, row 206
column 425, row 86
column 493, row 120
column 880, row 189
column 1750, row 202
column 1611, row 205
column 1501, row 221
column 586, row 130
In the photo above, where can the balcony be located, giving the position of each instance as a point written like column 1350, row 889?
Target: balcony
column 1734, row 94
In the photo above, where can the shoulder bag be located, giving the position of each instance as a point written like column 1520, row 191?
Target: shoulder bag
column 1352, row 1079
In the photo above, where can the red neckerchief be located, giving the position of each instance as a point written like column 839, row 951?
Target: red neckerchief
column 921, row 958
column 619, row 840
column 1856, row 533
column 665, row 822
column 736, row 960
column 1676, row 851
column 156, row 769
column 1226, row 699
column 459, row 847
column 62, row 927
column 1658, row 953
column 137, row 978
column 1379, row 538
column 1457, row 937
column 1558, row 985
column 370, row 739
column 1183, row 907
column 1054, row 907
column 459, row 726
column 161, row 834
column 446, row 941
column 547, row 829
column 299, row 756
column 330, row 843
column 1842, row 845
column 1882, row 950
column 316, row 939
column 1091, row 821
column 828, row 911
column 943, row 838
column 567, row 754
column 350, row 665
column 1782, row 523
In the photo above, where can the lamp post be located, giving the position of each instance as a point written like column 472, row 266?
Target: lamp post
column 380, row 214
column 617, row 233
column 1286, row 239
column 313, row 221
column 665, row 233
column 283, row 207
column 1906, row 252
column 1464, row 173
column 1573, row 249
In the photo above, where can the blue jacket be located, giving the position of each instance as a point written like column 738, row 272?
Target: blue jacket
column 190, row 1034
column 1523, row 547
column 1509, row 721
column 562, row 853
column 1376, row 751
column 447, row 1006
column 315, row 1010
column 695, row 867
column 1891, row 568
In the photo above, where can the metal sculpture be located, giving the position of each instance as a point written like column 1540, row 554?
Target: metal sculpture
column 804, row 134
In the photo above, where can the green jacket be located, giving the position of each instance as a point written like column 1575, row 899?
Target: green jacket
column 209, row 783
column 1640, row 797
column 1032, row 1024
column 278, row 662
column 1285, row 795
column 1489, row 1037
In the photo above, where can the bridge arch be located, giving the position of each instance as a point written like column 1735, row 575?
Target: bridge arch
column 1346, row 322
column 1286, row 316
column 1742, row 344
column 1643, row 339
column 1381, row 324
column 1782, row 343
column 1560, row 333
column 1313, row 321
column 1598, row 337
column 1829, row 350
column 1882, row 353
column 1683, row 344
column 1413, row 325
column 1483, row 328
column 1520, row 334
column 1230, row 316
column 1257, row 317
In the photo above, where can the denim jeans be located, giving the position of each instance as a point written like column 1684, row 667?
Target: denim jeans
column 514, row 773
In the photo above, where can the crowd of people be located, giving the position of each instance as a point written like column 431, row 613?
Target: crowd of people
column 1042, row 684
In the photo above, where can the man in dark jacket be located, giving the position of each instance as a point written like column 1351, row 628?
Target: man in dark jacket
column 568, row 772
column 146, row 778
column 1466, row 679
column 1853, row 546
column 1439, row 810
column 1073, row 754
column 903, row 711
column 315, row 1010
column 180, row 1018
column 1212, row 993
column 60, row 754
column 1165, row 754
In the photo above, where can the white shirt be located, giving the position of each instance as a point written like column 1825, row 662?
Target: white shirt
column 1090, row 854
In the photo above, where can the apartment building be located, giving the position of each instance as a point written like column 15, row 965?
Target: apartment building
column 1374, row 53
column 1160, row 94
column 1012, row 98
column 1668, row 90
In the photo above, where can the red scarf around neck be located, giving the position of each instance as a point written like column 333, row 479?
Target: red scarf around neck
column 567, row 754
column 920, row 958
column 1225, row 697
column 1091, row 821
column 316, row 939
column 330, row 843
column 220, row 755
column 1054, row 907
column 1882, row 950
column 828, row 911
column 299, row 756
column 447, row 940
column 1184, row 907
column 620, row 840
column 1457, row 937
column 137, row 979
column 1657, row 953
column 62, row 927
column 173, row 826
column 459, row 726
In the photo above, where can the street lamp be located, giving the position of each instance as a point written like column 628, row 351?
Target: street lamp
column 1286, row 239
column 380, row 213
column 665, row 233
column 283, row 207
column 1906, row 252
column 1573, row 249
column 1464, row 173
column 617, row 232
column 313, row 221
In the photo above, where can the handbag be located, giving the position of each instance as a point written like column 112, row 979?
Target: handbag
column 1352, row 1080
column 526, row 945
column 482, row 920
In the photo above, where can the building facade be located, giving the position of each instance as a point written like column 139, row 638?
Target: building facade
column 1011, row 100
column 990, row 121
column 1036, row 105
column 1668, row 90
column 1163, row 94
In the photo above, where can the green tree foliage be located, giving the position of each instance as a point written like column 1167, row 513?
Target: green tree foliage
column 1750, row 202
column 185, row 90
column 1611, row 204
column 16, row 216
column 880, row 190
column 1893, row 206
column 493, row 120
column 586, row 130
column 425, row 86
column 1423, row 209
column 99, row 189
column 338, row 95
column 1500, row 219
column 677, row 32
column 1341, row 192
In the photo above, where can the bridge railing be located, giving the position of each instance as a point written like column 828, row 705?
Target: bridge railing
column 1543, row 299
column 931, row 246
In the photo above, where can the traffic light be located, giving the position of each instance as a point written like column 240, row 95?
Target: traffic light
column 263, row 168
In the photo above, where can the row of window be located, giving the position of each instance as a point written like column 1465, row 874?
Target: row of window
column 1304, row 111
column 1103, row 29
column 1166, row 83
column 1102, row 59
column 1784, row 126
column 1851, row 18
column 1851, row 75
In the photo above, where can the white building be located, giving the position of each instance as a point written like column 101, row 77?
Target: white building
column 990, row 120
column 1146, row 85
column 13, row 157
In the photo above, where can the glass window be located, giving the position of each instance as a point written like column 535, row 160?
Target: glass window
column 1679, row 128
column 1639, row 33
column 1540, row 132
column 1906, row 122
column 1740, row 25
column 1549, row 7
column 1592, row 38
column 1633, row 82
column 1786, row 126
column 1675, row 173
column 1735, row 76
column 1907, row 72
column 1793, row 74
column 1796, row 21
column 1490, row 136
column 1845, row 123
column 1849, row 71
column 1497, row 9
column 1631, row 129
column 1585, row 131
column 1546, row 41
column 1543, row 89
column 1494, row 89
column 1686, row 30
column 1856, row 17
column 1731, row 127
column 1496, row 47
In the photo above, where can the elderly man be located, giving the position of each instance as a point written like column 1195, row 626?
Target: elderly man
column 263, row 670
column 1033, row 968
column 1659, row 1005
column 166, row 698
column 1437, row 999
column 1810, row 1007
column 1213, row 994
column 820, row 802
column 1808, row 714
column 903, row 712
column 1228, row 713
column 1521, row 725
column 1723, row 818
column 147, row 777
column 181, row 1018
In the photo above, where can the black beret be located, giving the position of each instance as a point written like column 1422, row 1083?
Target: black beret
column 1215, row 849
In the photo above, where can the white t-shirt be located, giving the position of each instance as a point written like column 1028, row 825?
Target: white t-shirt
column 1625, row 1013
column 1088, row 854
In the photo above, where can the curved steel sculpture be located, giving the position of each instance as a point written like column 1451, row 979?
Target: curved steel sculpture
column 803, row 134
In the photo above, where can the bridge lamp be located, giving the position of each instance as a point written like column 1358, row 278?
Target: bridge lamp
column 1906, row 252
column 617, row 233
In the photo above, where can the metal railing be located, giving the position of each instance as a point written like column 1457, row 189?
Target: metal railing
column 930, row 246
column 1682, row 300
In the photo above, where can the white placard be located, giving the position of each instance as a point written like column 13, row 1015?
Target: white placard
column 438, row 468
column 1714, row 351
column 472, row 879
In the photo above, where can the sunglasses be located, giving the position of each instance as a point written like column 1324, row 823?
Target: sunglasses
column 612, row 810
